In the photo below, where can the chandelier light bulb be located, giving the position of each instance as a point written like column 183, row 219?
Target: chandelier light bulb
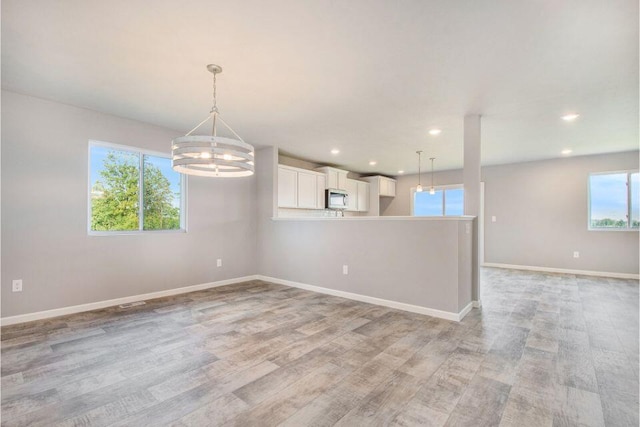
column 419, row 188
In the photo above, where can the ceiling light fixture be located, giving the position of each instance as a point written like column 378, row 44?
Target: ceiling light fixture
column 400, row 172
column 435, row 132
column 373, row 163
column 567, row 151
column 335, row 151
column 432, row 190
column 570, row 117
column 419, row 187
column 212, row 156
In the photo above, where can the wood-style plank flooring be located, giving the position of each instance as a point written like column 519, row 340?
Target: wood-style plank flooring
column 544, row 350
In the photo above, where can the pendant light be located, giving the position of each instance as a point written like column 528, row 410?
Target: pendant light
column 419, row 187
column 432, row 190
column 212, row 156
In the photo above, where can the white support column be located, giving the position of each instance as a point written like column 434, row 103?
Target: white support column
column 471, row 180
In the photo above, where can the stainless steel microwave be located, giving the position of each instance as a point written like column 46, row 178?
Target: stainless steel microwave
column 336, row 199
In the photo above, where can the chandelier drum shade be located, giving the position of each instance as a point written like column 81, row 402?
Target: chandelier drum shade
column 212, row 155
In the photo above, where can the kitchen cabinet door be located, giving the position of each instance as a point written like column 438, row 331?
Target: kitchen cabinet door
column 363, row 196
column 332, row 179
column 307, row 190
column 320, row 183
column 343, row 181
column 391, row 188
column 352, row 191
column 387, row 187
column 287, row 188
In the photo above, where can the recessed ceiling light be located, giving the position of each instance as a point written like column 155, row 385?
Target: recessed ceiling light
column 400, row 172
column 570, row 117
column 373, row 163
column 567, row 151
column 335, row 151
column 435, row 132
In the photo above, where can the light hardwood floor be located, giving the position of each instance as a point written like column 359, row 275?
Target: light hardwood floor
column 544, row 350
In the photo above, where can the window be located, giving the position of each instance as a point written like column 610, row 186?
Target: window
column 132, row 190
column 613, row 201
column 445, row 202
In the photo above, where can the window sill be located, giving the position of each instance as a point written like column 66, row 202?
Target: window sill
column 617, row 230
column 133, row 233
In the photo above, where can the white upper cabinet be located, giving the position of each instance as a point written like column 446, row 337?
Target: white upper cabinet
column 300, row 188
column 342, row 180
column 287, row 188
column 334, row 178
column 320, row 191
column 358, row 196
column 352, row 191
column 387, row 187
column 381, row 186
column 307, row 190
column 363, row 196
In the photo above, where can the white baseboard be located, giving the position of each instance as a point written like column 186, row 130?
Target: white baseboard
column 373, row 300
column 477, row 304
column 564, row 270
column 29, row 317
column 12, row 320
column 465, row 311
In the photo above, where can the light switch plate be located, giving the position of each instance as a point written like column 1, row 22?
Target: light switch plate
column 345, row 269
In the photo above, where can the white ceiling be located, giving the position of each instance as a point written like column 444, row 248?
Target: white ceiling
column 369, row 77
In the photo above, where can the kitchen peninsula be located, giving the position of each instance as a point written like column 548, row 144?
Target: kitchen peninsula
column 418, row 264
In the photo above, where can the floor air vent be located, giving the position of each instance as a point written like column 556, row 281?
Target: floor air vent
column 132, row 304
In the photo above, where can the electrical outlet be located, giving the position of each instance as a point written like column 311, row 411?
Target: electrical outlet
column 16, row 285
column 345, row 269
column 219, row 262
column 576, row 254
column 493, row 218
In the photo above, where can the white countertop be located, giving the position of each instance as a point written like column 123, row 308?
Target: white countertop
column 377, row 218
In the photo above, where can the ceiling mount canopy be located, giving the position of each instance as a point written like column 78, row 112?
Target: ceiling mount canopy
column 212, row 156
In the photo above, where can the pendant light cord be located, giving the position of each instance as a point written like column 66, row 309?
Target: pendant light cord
column 419, row 157
column 214, row 108
column 432, row 159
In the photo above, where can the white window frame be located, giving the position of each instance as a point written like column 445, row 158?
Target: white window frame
column 141, row 152
column 628, row 227
column 442, row 188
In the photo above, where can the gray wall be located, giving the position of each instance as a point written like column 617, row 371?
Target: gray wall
column 283, row 159
column 297, row 163
column 541, row 211
column 419, row 262
column 44, row 215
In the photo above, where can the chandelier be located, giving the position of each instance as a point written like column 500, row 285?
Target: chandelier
column 212, row 156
